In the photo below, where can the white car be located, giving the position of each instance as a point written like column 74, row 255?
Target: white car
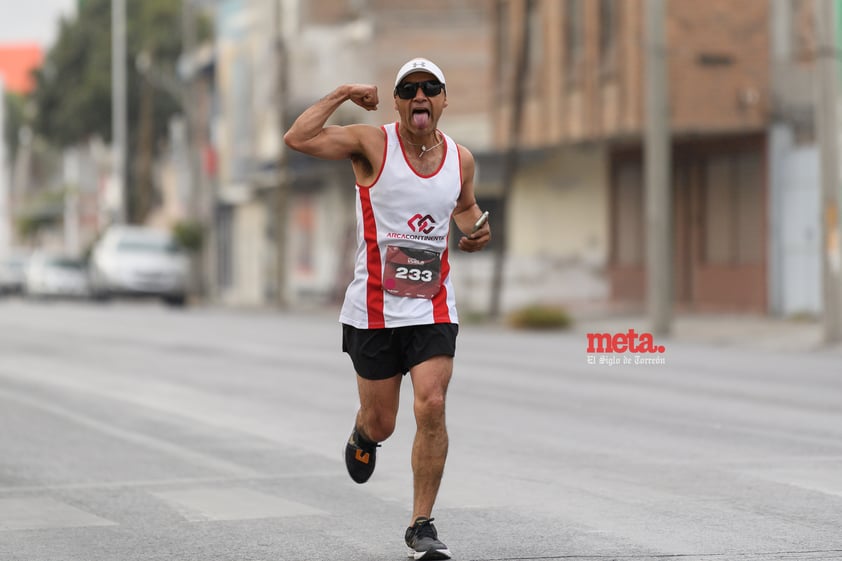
column 53, row 275
column 139, row 261
column 12, row 273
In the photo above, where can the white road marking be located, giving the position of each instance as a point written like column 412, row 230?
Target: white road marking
column 163, row 446
column 35, row 513
column 233, row 503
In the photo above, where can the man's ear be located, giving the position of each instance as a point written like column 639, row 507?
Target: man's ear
column 445, row 101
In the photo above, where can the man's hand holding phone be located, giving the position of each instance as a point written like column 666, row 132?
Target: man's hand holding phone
column 481, row 222
column 480, row 235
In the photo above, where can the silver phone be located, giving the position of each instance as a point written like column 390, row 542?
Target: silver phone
column 479, row 223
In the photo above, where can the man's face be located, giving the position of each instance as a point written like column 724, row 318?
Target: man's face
column 420, row 113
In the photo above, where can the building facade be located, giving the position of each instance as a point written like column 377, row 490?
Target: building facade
column 294, row 244
column 584, row 103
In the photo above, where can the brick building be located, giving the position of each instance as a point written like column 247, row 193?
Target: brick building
column 584, row 117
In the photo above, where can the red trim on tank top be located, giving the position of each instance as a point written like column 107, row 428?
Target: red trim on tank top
column 441, row 311
column 459, row 158
column 374, row 283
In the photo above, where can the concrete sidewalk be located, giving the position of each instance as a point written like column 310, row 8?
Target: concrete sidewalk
column 733, row 330
column 751, row 332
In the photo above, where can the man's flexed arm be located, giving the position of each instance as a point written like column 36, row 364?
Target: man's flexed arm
column 309, row 134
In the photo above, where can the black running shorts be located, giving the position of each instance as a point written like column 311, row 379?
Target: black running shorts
column 379, row 354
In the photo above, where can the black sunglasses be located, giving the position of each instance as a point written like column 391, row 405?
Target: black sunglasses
column 431, row 88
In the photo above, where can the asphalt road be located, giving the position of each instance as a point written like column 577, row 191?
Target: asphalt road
column 131, row 431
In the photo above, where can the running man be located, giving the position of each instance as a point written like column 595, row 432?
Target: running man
column 399, row 313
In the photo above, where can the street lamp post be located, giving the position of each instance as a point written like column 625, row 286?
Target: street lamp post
column 827, row 133
column 659, row 228
column 5, row 215
column 183, row 92
column 119, row 119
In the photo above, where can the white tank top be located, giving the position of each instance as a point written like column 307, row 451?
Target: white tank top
column 409, row 212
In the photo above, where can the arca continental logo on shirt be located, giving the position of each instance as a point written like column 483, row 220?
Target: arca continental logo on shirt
column 421, row 224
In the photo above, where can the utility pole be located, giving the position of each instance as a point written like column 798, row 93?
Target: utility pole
column 510, row 164
column 659, row 223
column 189, row 98
column 119, row 119
column 282, row 191
column 200, row 257
column 5, row 196
column 827, row 135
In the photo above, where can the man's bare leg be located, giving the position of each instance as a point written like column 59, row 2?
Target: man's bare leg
column 429, row 450
column 375, row 422
column 379, row 400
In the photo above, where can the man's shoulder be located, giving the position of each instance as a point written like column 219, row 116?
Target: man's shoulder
column 462, row 148
column 368, row 134
column 464, row 153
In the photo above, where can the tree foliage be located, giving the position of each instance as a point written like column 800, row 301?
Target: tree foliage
column 73, row 101
column 15, row 113
column 73, row 94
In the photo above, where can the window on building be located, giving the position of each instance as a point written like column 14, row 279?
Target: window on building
column 329, row 12
column 803, row 32
column 304, row 235
column 609, row 26
column 503, row 44
column 225, row 250
column 535, row 78
column 628, row 214
column 733, row 219
column 574, row 40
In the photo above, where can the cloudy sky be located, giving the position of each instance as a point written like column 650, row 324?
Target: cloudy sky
column 32, row 20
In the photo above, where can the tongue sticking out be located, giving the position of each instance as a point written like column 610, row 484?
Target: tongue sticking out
column 421, row 119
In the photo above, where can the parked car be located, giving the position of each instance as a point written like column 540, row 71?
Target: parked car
column 52, row 275
column 139, row 261
column 12, row 273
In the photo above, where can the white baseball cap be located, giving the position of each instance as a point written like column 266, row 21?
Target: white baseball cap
column 419, row 65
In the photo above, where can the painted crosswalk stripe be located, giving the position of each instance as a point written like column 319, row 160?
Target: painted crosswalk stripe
column 36, row 513
column 233, row 503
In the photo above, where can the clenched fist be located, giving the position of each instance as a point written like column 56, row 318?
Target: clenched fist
column 364, row 95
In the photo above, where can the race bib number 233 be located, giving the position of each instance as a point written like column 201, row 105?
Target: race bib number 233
column 415, row 273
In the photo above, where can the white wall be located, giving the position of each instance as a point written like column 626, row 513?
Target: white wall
column 558, row 237
column 5, row 218
column 560, row 208
column 250, row 257
column 795, row 217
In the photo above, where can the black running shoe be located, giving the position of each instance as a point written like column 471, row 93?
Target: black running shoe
column 423, row 541
column 360, row 455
